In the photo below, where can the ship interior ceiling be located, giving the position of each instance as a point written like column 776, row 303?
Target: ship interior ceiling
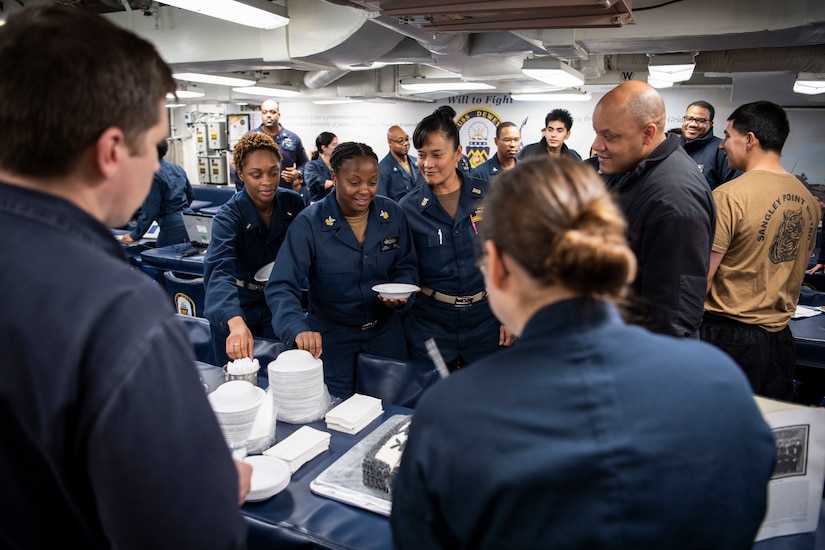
column 371, row 50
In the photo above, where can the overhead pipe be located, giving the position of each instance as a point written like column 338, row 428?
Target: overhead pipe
column 749, row 60
column 319, row 79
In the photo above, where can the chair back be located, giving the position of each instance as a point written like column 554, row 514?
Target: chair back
column 187, row 293
column 394, row 381
column 201, row 337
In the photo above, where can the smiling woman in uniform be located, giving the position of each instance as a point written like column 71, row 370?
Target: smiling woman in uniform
column 345, row 244
column 247, row 233
column 444, row 217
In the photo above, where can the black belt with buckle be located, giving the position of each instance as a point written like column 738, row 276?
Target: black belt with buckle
column 366, row 326
column 250, row 286
column 457, row 301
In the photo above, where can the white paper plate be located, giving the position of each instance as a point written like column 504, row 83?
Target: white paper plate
column 395, row 291
column 270, row 476
column 262, row 275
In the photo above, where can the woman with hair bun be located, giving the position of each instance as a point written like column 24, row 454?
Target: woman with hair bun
column 445, row 217
column 344, row 245
column 588, row 433
column 317, row 173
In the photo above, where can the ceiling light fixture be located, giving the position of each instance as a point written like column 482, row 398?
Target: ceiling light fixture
column 552, row 71
column 252, row 13
column 659, row 83
column 423, row 85
column 214, row 79
column 809, row 83
column 186, row 92
column 339, row 101
column 175, row 105
column 550, row 97
column 675, row 67
column 267, row 91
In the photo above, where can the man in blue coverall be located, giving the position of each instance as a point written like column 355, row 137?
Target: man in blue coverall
column 397, row 172
column 508, row 142
column 292, row 148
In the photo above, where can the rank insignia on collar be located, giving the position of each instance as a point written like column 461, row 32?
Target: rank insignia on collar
column 384, row 215
column 248, row 225
column 476, row 191
column 329, row 221
column 424, row 201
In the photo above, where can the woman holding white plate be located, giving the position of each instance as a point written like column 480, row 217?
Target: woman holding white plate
column 344, row 245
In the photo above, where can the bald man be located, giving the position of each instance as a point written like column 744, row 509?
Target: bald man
column 668, row 205
column 397, row 172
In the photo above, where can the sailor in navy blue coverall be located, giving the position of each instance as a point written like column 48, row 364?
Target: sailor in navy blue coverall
column 345, row 314
column 241, row 245
column 444, row 217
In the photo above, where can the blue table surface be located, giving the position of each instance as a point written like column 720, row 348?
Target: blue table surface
column 297, row 518
column 171, row 258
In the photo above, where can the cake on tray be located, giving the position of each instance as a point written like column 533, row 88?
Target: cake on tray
column 381, row 463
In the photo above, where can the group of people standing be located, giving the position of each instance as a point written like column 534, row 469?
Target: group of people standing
column 348, row 240
column 588, row 432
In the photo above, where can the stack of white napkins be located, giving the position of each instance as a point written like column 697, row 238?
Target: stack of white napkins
column 354, row 414
column 300, row 447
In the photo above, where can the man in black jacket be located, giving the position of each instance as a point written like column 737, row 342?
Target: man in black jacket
column 668, row 205
column 702, row 146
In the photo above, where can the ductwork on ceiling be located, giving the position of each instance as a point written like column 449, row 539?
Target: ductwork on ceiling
column 795, row 59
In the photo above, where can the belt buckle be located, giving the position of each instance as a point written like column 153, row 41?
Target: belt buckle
column 367, row 326
column 463, row 301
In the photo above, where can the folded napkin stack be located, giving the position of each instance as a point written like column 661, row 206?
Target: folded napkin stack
column 354, row 414
column 300, row 447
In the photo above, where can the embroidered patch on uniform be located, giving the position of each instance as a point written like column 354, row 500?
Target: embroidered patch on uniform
column 384, row 215
column 424, row 201
column 389, row 243
column 287, row 142
column 329, row 221
column 476, row 190
column 478, row 215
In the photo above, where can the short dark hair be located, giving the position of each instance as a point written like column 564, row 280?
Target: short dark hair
column 768, row 122
column 98, row 74
column 504, row 125
column 704, row 105
column 559, row 114
column 348, row 150
column 163, row 148
column 441, row 120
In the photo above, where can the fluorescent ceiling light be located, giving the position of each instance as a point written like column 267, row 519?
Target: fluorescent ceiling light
column 658, row 82
column 252, row 13
column 550, row 97
column 673, row 67
column 553, row 72
column 175, row 105
column 186, row 92
column 809, row 83
column 214, row 79
column 267, row 91
column 424, row 85
column 335, row 101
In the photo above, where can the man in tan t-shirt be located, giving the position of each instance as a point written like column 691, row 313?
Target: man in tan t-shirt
column 766, row 224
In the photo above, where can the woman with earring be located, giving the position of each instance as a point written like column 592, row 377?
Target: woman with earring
column 318, row 172
column 589, row 433
column 445, row 216
column 344, row 245
column 247, row 233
